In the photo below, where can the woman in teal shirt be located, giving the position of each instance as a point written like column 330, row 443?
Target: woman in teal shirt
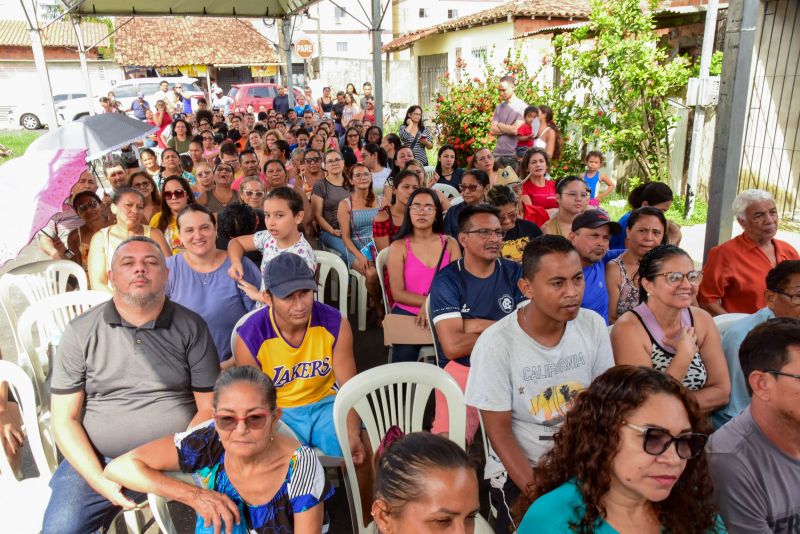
column 628, row 459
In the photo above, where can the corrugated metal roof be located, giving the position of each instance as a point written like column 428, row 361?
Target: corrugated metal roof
column 57, row 34
column 170, row 42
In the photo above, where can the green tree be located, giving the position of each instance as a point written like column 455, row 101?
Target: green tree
column 625, row 79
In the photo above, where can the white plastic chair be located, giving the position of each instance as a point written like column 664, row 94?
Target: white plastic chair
column 327, row 262
column 389, row 395
column 724, row 321
column 36, row 281
column 358, row 298
column 456, row 200
column 239, row 323
column 449, row 191
column 380, row 264
column 24, row 501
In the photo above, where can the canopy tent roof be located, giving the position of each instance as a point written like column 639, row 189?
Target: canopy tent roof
column 151, row 42
column 213, row 8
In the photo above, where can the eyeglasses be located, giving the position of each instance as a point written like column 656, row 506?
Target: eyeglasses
column 573, row 195
column 781, row 373
column 177, row 194
column 207, row 138
column 90, row 205
column 674, row 278
column 794, row 300
column 362, row 175
column 468, row 188
column 257, row 194
column 224, row 168
column 657, row 440
column 419, row 208
column 312, row 160
column 352, row 135
column 227, row 423
column 143, row 185
column 487, row 233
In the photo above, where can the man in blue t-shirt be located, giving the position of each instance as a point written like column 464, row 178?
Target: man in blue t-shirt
column 591, row 234
column 469, row 295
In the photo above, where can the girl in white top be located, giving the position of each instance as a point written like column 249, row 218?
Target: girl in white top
column 283, row 212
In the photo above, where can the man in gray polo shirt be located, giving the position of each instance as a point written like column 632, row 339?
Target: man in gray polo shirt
column 128, row 371
column 508, row 117
column 755, row 457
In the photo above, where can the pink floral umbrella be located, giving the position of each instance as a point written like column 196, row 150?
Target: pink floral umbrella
column 33, row 188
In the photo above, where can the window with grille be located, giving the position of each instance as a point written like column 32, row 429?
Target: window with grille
column 452, row 13
column 479, row 54
column 341, row 46
column 423, row 13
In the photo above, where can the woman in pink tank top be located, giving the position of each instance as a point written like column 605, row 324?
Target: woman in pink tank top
column 418, row 252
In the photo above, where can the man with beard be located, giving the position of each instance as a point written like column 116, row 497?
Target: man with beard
column 128, row 371
column 591, row 234
column 469, row 295
column 528, row 367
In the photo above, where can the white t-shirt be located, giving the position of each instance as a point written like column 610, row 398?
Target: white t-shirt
column 512, row 372
column 379, row 178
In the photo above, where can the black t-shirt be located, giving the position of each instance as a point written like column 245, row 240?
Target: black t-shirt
column 338, row 108
column 515, row 239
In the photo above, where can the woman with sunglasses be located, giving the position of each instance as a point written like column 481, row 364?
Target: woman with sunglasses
column 210, row 146
column 312, row 170
column 198, row 279
column 352, row 140
column 628, row 458
column 573, row 198
column 90, row 209
column 142, row 182
column 222, row 194
column 204, row 172
column 252, row 192
column 253, row 475
column 326, row 195
column 667, row 333
column 647, row 228
column 419, row 251
column 127, row 206
column 474, row 186
column 176, row 195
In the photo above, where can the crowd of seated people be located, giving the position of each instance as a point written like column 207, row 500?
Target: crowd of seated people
column 587, row 348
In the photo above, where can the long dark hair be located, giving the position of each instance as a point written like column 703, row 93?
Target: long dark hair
column 438, row 169
column 548, row 117
column 588, row 441
column 166, row 213
column 399, row 179
column 370, row 192
column 651, row 263
column 407, row 118
column 373, row 149
column 407, row 227
column 155, row 197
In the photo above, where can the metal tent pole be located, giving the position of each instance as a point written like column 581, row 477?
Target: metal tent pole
column 287, row 42
column 38, row 58
column 87, row 81
column 377, row 75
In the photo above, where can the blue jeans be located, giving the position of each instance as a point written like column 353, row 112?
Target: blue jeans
column 313, row 425
column 75, row 507
column 404, row 353
column 336, row 245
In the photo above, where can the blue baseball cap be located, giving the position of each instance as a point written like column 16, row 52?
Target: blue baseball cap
column 287, row 273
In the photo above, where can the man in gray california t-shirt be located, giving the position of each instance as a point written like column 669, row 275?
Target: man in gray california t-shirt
column 755, row 457
column 128, row 371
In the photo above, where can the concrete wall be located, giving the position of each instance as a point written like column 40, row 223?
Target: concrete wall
column 338, row 72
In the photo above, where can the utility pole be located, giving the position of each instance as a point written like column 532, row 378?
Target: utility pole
column 700, row 110
column 377, row 16
column 287, row 43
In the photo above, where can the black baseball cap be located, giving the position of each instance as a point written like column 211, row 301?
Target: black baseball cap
column 287, row 273
column 595, row 219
